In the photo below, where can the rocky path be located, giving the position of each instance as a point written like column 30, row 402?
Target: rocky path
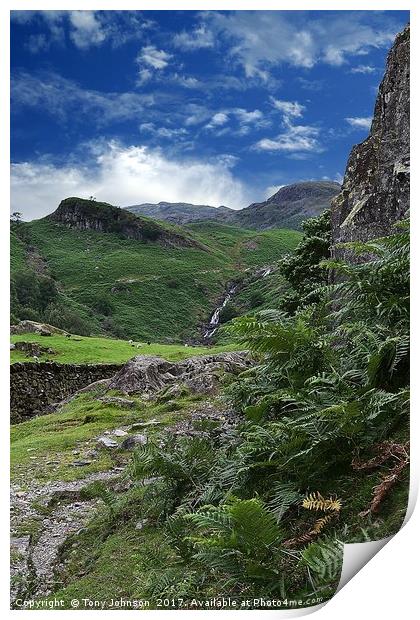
column 59, row 511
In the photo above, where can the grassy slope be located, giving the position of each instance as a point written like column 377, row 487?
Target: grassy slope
column 46, row 443
column 155, row 292
column 94, row 350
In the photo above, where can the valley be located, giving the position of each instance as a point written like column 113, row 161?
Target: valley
column 106, row 283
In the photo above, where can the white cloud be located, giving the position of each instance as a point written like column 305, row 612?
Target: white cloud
column 144, row 76
column 290, row 109
column 86, row 29
column 123, row 176
column 217, row 120
column 263, row 39
column 359, row 122
column 245, row 117
column 271, row 190
column 162, row 132
column 295, row 138
column 186, row 81
column 37, row 43
column 151, row 56
column 365, row 69
column 64, row 98
column 199, row 38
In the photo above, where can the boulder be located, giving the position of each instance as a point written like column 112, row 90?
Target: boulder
column 132, row 441
column 107, row 442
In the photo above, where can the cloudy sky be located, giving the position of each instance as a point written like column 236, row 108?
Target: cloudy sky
column 204, row 107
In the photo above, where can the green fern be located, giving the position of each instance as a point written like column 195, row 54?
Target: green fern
column 324, row 558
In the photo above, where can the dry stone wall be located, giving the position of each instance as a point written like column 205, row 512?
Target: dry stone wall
column 34, row 387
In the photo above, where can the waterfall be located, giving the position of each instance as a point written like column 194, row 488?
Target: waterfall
column 215, row 317
column 214, row 322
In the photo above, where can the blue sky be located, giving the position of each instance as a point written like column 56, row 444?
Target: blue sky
column 205, row 107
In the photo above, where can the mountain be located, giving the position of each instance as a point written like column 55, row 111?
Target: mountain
column 91, row 268
column 287, row 208
column 183, row 212
column 376, row 188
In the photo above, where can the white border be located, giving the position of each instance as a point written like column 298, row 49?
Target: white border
column 386, row 587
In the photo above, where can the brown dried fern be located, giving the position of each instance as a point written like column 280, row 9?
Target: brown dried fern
column 385, row 450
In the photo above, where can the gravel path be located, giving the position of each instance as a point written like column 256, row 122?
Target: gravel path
column 57, row 509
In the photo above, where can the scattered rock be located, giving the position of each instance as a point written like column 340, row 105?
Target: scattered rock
column 132, row 441
column 20, row 568
column 145, row 424
column 107, row 442
column 12, row 346
column 33, row 348
column 81, row 463
column 174, row 391
column 118, row 432
column 32, row 327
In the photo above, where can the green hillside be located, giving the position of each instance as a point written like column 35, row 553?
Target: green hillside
column 92, row 282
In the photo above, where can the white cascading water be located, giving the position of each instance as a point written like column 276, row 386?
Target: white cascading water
column 215, row 317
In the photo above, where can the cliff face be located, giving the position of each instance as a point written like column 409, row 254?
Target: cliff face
column 83, row 214
column 375, row 191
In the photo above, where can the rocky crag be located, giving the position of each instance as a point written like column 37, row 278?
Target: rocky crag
column 376, row 187
column 81, row 214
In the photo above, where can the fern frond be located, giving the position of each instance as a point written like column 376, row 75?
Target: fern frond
column 315, row 501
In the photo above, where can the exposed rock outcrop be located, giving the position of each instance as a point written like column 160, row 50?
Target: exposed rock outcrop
column 83, row 214
column 146, row 374
column 375, row 192
column 32, row 327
